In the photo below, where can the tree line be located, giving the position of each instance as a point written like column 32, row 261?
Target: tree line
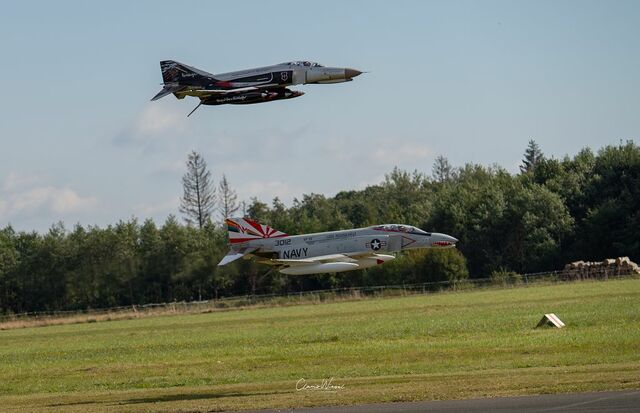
column 552, row 212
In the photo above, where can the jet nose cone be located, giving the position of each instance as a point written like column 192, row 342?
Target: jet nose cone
column 443, row 240
column 351, row 73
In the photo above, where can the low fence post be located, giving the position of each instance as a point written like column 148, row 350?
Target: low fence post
column 140, row 310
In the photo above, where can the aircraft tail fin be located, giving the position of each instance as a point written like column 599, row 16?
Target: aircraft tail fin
column 178, row 73
column 243, row 230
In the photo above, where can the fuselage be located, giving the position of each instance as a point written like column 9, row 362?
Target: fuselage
column 325, row 252
column 375, row 239
column 274, row 79
column 289, row 74
column 256, row 85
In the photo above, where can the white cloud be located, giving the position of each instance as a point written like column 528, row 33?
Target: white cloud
column 14, row 181
column 170, row 169
column 156, row 122
column 393, row 154
column 163, row 208
column 25, row 196
column 265, row 191
column 46, row 199
column 370, row 181
column 158, row 119
column 387, row 152
column 259, row 145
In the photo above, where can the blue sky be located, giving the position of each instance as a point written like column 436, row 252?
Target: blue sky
column 474, row 81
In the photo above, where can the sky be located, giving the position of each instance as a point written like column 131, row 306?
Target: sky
column 80, row 142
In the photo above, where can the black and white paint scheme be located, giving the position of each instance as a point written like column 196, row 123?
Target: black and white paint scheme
column 262, row 84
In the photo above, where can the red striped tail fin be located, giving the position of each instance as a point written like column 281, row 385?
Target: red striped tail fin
column 245, row 229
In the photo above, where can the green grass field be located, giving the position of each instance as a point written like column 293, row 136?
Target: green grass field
column 453, row 345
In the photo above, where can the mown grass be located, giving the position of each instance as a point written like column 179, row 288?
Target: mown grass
column 437, row 346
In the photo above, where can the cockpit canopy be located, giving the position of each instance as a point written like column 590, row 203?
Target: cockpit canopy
column 304, row 63
column 401, row 228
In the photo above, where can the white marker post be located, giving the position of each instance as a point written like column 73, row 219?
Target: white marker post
column 550, row 320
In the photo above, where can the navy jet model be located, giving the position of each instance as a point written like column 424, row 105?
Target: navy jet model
column 263, row 84
column 325, row 252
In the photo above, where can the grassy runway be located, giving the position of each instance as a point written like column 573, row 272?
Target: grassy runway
column 439, row 346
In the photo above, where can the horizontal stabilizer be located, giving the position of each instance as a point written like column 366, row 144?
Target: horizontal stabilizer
column 167, row 90
column 235, row 255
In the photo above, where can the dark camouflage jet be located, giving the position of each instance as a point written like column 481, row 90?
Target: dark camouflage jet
column 263, row 84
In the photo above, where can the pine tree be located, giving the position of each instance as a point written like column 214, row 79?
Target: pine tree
column 199, row 198
column 532, row 157
column 228, row 199
column 442, row 170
